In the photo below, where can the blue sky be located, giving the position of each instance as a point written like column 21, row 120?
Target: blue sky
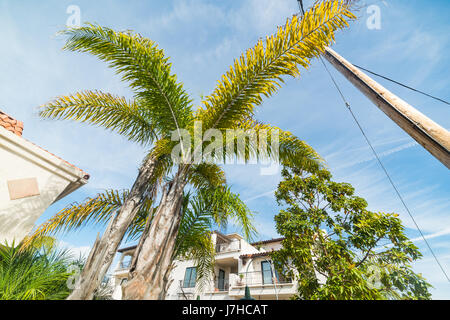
column 202, row 38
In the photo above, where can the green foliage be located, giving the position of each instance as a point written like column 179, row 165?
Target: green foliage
column 203, row 211
column 128, row 118
column 144, row 66
column 97, row 210
column 258, row 72
column 291, row 149
column 34, row 274
column 160, row 106
column 337, row 248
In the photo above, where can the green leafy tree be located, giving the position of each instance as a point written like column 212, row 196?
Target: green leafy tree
column 161, row 107
column 336, row 248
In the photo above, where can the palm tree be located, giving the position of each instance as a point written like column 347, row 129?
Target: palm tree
column 202, row 209
column 255, row 74
column 38, row 272
column 161, row 106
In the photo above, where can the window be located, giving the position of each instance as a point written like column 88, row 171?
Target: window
column 221, row 280
column 126, row 261
column 189, row 277
column 266, row 270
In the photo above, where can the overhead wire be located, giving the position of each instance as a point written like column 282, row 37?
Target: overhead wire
column 403, row 85
column 347, row 104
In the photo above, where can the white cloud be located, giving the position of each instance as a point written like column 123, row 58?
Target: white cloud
column 203, row 38
column 441, row 233
column 75, row 251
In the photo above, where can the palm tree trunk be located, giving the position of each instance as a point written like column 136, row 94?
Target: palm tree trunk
column 102, row 254
column 149, row 275
column 167, row 280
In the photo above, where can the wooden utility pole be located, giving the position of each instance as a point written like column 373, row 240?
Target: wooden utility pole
column 434, row 138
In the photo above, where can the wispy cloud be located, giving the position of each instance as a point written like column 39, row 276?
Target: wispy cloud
column 441, row 233
column 75, row 251
column 202, row 38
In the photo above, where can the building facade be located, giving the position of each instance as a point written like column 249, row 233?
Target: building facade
column 31, row 179
column 237, row 264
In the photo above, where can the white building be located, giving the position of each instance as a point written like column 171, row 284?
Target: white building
column 238, row 263
column 31, row 179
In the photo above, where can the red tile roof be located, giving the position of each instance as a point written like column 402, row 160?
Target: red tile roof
column 267, row 241
column 16, row 127
column 254, row 255
column 11, row 124
column 127, row 248
column 242, row 256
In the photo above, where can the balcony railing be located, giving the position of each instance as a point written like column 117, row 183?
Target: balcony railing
column 257, row 278
column 185, row 292
column 124, row 265
column 220, row 285
column 228, row 247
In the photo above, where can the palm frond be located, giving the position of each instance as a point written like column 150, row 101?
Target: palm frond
column 31, row 274
column 224, row 206
column 128, row 118
column 289, row 149
column 258, row 73
column 97, row 210
column 194, row 239
column 141, row 63
column 42, row 242
column 136, row 228
column 203, row 253
column 206, row 175
column 264, row 142
column 207, row 208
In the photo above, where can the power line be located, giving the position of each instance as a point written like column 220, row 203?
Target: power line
column 300, row 2
column 403, row 85
column 384, row 169
column 302, row 10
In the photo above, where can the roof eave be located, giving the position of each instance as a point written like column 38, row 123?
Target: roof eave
column 45, row 160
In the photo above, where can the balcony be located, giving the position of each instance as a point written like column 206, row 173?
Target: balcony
column 257, row 278
column 233, row 286
column 185, row 291
column 261, row 285
column 125, row 265
column 220, row 285
column 228, row 247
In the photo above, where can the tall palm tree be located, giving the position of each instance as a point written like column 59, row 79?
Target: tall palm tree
column 161, row 106
column 202, row 209
column 255, row 74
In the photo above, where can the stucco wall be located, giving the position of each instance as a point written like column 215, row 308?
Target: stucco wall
column 20, row 159
column 226, row 261
column 176, row 276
